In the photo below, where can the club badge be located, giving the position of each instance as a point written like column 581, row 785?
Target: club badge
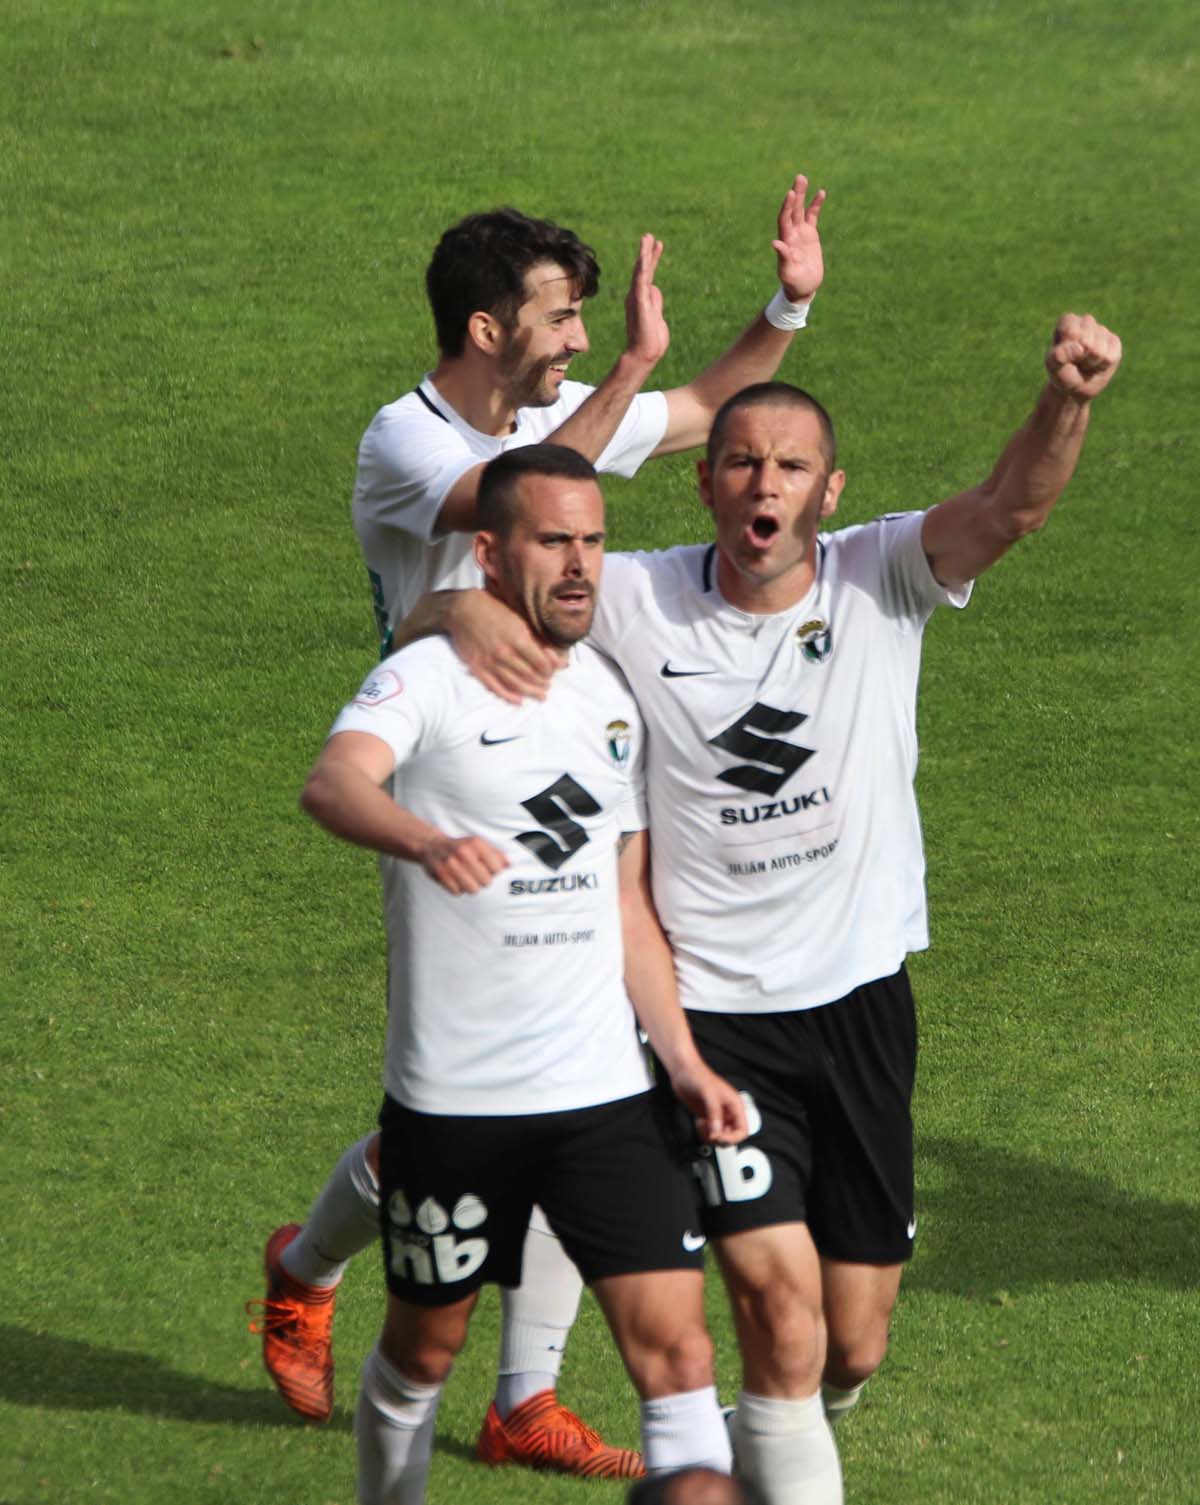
column 618, row 738
column 815, row 640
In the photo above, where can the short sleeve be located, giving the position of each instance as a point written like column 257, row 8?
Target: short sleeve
column 639, row 435
column 407, row 462
column 616, row 602
column 634, row 811
column 398, row 702
column 909, row 588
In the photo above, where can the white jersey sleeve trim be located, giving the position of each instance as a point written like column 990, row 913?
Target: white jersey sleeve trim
column 400, row 701
column 407, row 462
column 639, row 434
column 910, row 588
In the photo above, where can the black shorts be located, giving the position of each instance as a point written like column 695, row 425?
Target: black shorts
column 829, row 1092
column 456, row 1194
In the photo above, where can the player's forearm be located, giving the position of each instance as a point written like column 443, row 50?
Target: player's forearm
column 966, row 535
column 650, row 983
column 433, row 614
column 592, row 425
column 754, row 357
column 1037, row 464
column 349, row 804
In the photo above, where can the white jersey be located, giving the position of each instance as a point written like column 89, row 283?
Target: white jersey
column 510, row 1000
column 412, row 454
column 787, row 856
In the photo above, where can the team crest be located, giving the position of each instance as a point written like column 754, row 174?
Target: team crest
column 815, row 640
column 618, row 738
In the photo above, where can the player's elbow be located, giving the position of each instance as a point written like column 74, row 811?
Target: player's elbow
column 1012, row 518
column 315, row 797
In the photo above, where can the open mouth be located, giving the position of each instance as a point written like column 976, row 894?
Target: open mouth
column 575, row 596
column 762, row 530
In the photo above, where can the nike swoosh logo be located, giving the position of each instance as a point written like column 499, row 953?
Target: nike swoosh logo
column 912, row 1228
column 668, row 673
column 496, row 741
column 693, row 1241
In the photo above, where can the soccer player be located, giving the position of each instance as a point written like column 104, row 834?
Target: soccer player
column 507, row 296
column 513, row 1070
column 776, row 671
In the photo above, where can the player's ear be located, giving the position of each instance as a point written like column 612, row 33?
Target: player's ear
column 704, row 482
column 833, row 490
column 485, row 332
column 486, row 546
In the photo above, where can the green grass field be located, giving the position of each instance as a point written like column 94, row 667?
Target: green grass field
column 215, row 219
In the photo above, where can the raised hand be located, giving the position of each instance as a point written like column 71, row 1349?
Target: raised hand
column 1082, row 357
column 798, row 249
column 646, row 332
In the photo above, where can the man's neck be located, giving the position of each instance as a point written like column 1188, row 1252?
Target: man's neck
column 472, row 393
column 765, row 597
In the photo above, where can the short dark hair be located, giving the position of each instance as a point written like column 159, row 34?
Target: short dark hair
column 496, row 504
column 767, row 394
column 662, row 1489
column 479, row 265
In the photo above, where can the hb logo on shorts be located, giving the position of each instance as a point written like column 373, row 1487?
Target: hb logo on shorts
column 424, row 1247
column 735, row 1173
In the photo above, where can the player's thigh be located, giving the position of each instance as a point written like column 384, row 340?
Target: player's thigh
column 764, row 1180
column 860, row 1195
column 619, row 1193
column 773, row 1277
column 455, row 1199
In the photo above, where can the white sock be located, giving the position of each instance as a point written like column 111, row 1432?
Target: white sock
column 838, row 1402
column 537, row 1316
column 685, row 1431
column 787, row 1449
column 344, row 1219
column 393, row 1425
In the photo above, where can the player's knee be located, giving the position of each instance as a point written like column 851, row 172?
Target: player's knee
column 852, row 1359
column 681, row 1361
column 787, row 1327
column 424, row 1344
column 424, row 1362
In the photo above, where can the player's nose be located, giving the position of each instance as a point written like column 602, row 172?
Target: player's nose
column 766, row 479
column 577, row 341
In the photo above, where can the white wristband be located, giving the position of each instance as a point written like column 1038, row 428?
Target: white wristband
column 785, row 314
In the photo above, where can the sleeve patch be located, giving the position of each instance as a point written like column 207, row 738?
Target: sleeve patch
column 380, row 687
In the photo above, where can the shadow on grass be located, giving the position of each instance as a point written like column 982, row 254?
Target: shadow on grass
column 65, row 1374
column 998, row 1219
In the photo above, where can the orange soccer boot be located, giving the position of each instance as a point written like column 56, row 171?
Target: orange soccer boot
column 541, row 1433
column 296, row 1323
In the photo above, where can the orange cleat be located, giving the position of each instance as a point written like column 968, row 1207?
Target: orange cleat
column 541, row 1433
column 296, row 1323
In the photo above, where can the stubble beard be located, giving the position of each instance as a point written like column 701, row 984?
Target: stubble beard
column 563, row 634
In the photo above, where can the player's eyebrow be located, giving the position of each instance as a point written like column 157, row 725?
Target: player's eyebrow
column 744, row 452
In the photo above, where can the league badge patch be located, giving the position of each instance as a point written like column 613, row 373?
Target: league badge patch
column 383, row 686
